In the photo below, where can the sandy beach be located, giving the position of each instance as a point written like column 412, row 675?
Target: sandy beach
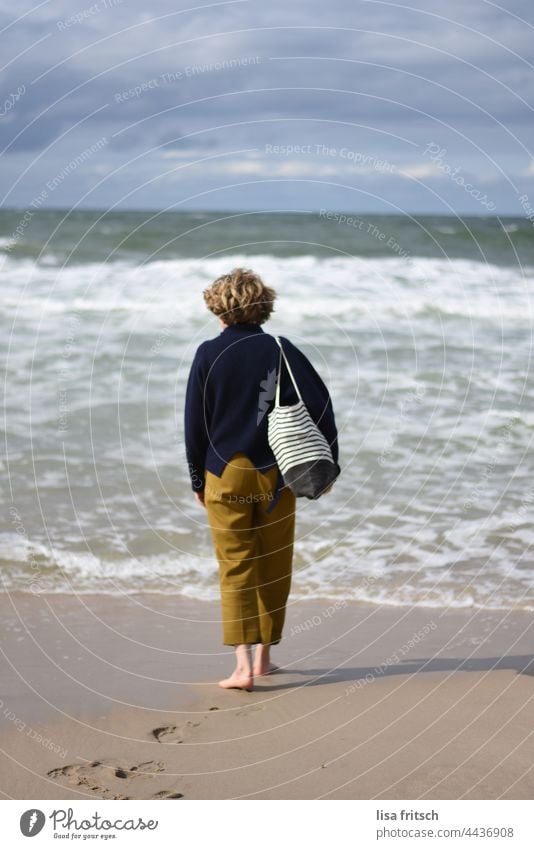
column 116, row 697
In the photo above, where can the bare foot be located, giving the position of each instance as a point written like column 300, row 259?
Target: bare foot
column 238, row 681
column 266, row 669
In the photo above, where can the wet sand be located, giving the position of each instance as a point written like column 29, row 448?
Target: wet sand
column 116, row 697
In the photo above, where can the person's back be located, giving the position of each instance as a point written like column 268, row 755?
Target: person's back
column 237, row 371
column 230, row 392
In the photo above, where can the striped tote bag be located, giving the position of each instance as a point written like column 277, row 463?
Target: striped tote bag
column 301, row 451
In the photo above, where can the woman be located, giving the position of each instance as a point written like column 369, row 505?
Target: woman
column 233, row 471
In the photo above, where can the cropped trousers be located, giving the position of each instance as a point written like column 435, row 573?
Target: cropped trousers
column 254, row 550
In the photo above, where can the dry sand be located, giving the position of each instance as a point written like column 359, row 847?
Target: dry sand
column 116, row 698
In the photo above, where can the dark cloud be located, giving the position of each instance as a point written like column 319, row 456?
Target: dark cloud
column 169, row 86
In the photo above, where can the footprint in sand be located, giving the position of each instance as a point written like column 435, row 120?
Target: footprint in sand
column 248, row 710
column 173, row 733
column 167, row 794
column 97, row 775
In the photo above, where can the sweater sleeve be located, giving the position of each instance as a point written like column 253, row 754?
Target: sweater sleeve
column 314, row 394
column 196, row 426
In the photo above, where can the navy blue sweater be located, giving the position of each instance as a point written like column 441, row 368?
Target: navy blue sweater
column 230, row 392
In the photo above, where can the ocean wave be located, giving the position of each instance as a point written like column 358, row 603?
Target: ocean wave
column 308, row 287
column 38, row 569
column 429, row 366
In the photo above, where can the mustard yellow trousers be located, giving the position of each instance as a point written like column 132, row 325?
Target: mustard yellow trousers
column 254, row 550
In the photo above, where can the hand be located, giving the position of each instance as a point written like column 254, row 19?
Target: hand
column 199, row 496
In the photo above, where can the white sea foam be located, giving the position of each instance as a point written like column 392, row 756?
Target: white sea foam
column 375, row 287
column 36, row 568
column 429, row 363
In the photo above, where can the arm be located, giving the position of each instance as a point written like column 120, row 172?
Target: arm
column 196, row 426
column 314, row 394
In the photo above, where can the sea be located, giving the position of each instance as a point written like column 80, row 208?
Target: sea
column 421, row 326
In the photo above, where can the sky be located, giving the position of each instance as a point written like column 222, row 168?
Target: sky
column 361, row 105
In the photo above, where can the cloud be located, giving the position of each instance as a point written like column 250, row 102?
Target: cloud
column 176, row 83
column 419, row 171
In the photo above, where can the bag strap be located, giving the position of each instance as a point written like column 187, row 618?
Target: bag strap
column 282, row 354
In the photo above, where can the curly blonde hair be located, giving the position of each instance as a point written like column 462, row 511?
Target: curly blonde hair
column 240, row 296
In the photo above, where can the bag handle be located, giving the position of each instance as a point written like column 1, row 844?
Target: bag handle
column 282, row 354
